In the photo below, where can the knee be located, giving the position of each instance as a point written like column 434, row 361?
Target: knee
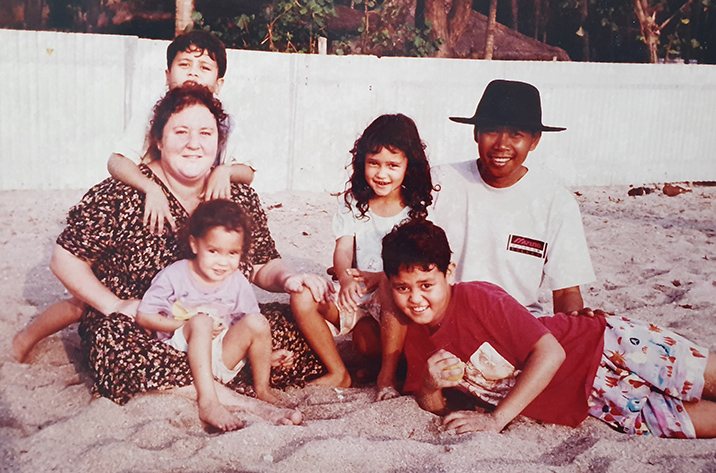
column 258, row 325
column 303, row 303
column 200, row 322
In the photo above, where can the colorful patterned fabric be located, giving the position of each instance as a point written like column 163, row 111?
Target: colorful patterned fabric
column 645, row 376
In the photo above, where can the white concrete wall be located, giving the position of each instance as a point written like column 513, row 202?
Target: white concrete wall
column 64, row 99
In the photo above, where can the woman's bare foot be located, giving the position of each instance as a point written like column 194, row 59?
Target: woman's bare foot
column 287, row 417
column 281, row 358
column 336, row 380
column 21, row 346
column 216, row 415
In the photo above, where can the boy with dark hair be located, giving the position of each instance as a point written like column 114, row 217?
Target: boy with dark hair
column 195, row 56
column 473, row 336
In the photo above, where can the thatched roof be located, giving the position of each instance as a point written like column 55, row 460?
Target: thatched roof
column 509, row 44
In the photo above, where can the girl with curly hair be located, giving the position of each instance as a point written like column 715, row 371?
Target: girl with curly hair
column 390, row 183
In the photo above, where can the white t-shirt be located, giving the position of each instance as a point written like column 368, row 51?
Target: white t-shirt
column 134, row 143
column 515, row 236
column 369, row 232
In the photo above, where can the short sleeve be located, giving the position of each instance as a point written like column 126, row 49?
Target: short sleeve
column 246, row 302
column 568, row 261
column 91, row 223
column 158, row 297
column 133, row 143
column 344, row 222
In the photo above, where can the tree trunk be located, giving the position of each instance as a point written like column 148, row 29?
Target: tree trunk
column 585, row 33
column 649, row 29
column 184, row 9
column 33, row 14
column 448, row 25
column 490, row 33
column 515, row 15
column 538, row 9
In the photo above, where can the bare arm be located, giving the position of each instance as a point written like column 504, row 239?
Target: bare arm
column 351, row 290
column 218, row 186
column 77, row 276
column 275, row 276
column 156, row 206
column 158, row 322
column 569, row 301
column 545, row 358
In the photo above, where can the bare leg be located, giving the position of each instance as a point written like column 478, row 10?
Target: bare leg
column 251, row 335
column 311, row 317
column 393, row 329
column 56, row 317
column 198, row 332
column 703, row 416
column 366, row 338
column 710, row 379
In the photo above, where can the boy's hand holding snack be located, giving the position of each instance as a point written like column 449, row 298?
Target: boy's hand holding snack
column 156, row 211
column 444, row 370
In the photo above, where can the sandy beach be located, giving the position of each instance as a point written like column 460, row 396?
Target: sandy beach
column 655, row 260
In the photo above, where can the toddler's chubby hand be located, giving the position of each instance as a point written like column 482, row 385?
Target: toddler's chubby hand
column 470, row 421
column 444, row 370
column 218, row 186
column 219, row 326
column 156, row 211
column 282, row 358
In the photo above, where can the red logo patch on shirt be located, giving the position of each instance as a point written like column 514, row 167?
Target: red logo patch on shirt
column 528, row 246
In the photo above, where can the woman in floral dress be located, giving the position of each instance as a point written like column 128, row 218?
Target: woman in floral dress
column 107, row 258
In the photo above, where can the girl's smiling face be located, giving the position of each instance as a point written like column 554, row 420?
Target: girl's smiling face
column 385, row 171
column 217, row 254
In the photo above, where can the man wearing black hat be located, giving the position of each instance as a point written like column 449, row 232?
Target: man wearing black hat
column 509, row 224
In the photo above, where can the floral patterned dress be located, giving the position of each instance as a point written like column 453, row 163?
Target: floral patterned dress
column 105, row 230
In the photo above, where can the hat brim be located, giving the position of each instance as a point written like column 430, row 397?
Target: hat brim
column 478, row 122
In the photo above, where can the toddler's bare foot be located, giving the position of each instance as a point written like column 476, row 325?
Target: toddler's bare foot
column 336, row 380
column 21, row 346
column 216, row 415
column 282, row 358
column 288, row 417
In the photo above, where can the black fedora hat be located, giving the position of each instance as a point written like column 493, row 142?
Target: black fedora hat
column 509, row 103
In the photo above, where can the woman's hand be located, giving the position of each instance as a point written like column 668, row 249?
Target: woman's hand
column 156, row 211
column 319, row 287
column 218, row 185
column 470, row 421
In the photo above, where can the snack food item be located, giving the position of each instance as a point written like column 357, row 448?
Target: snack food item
column 458, row 366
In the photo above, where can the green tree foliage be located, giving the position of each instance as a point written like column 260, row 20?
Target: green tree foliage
column 295, row 25
column 613, row 29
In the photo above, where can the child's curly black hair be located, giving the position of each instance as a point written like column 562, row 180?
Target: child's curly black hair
column 396, row 133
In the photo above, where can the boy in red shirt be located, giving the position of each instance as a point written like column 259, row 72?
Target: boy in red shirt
column 473, row 336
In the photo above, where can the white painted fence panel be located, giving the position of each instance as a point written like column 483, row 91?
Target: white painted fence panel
column 65, row 98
